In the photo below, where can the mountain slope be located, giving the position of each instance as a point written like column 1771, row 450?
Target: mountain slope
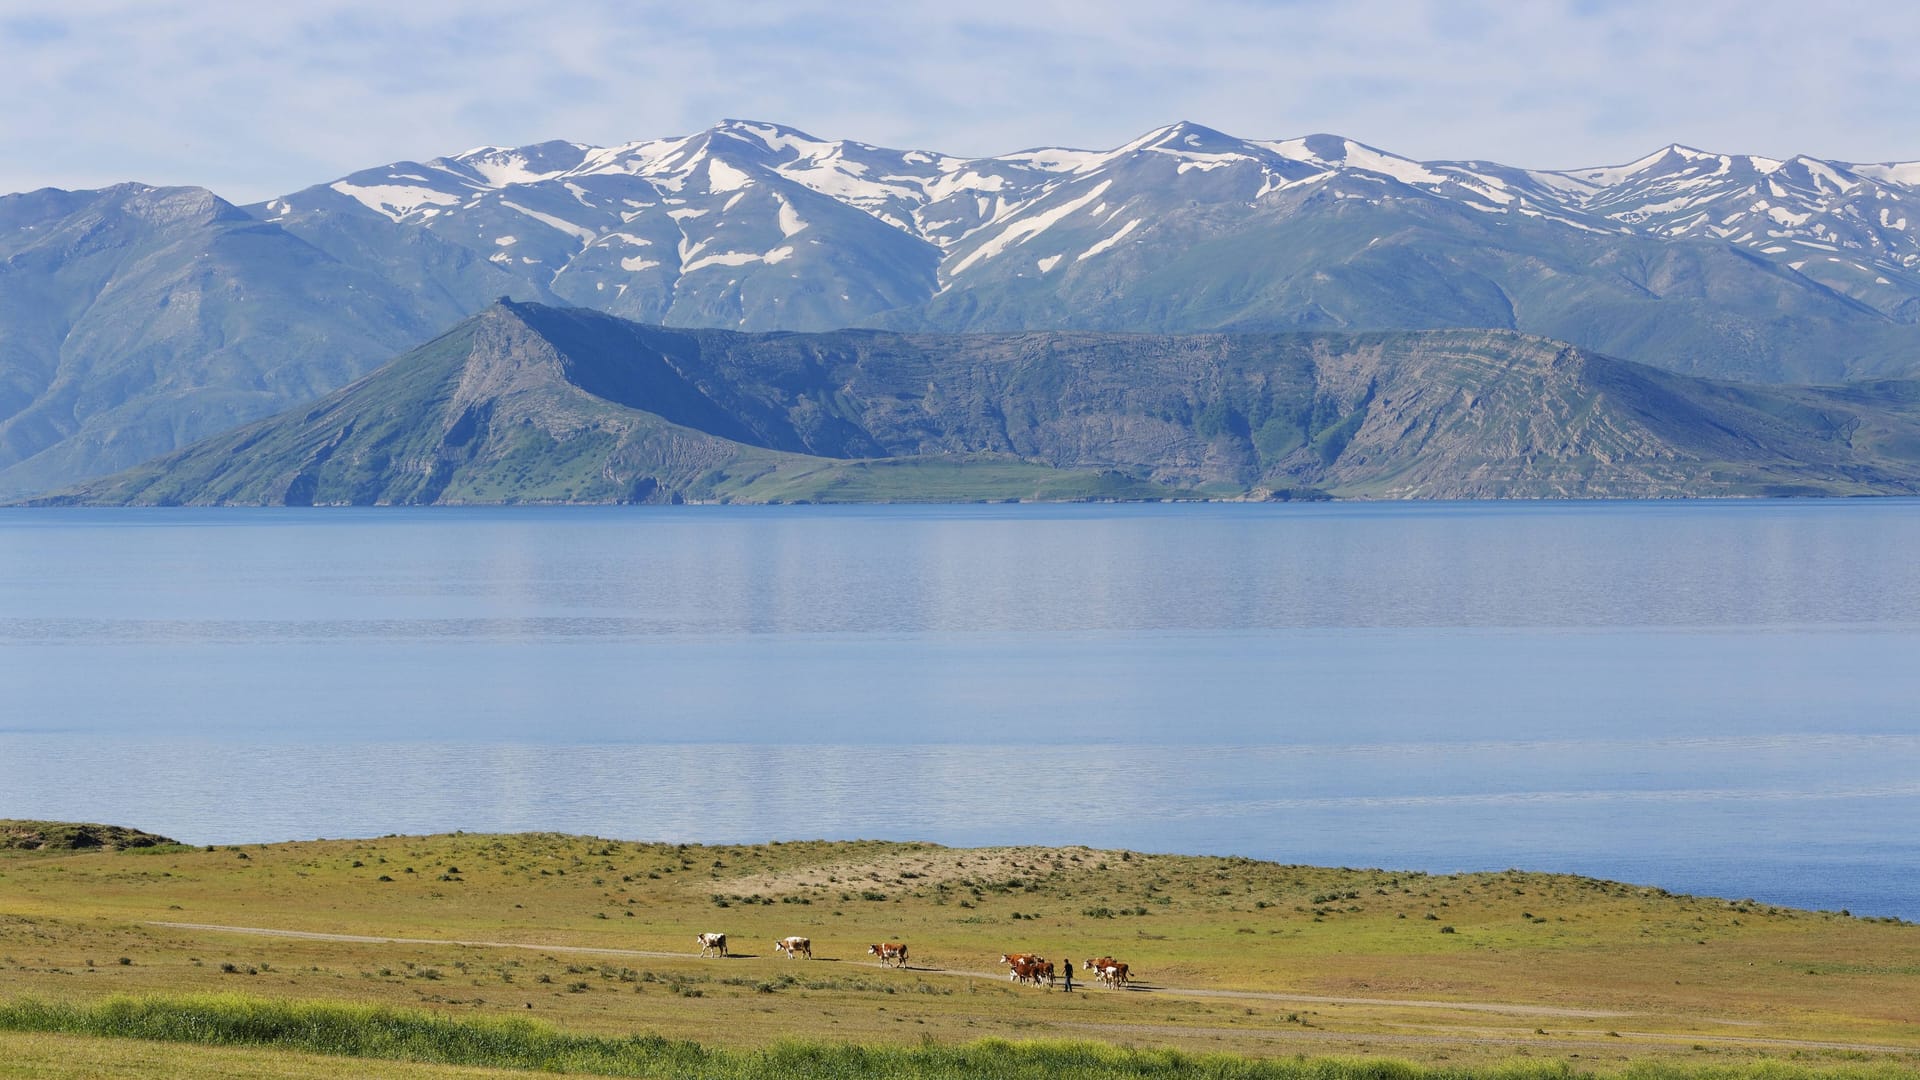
column 135, row 319
column 497, row 411
column 1709, row 264
column 532, row 403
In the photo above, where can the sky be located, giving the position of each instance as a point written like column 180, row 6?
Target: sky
column 258, row 99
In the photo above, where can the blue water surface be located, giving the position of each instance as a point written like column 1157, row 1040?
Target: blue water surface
column 1708, row 697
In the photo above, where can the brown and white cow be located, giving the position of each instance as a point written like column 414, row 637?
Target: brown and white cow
column 893, row 952
column 1109, row 971
column 1014, row 960
column 1029, row 968
column 712, row 944
column 793, row 946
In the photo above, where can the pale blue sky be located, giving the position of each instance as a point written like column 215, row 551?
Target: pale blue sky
column 256, row 99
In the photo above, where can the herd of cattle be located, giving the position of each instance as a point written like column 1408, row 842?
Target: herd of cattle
column 1029, row 968
column 1021, row 967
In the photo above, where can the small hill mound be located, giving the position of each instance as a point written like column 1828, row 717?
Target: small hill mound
column 73, row 836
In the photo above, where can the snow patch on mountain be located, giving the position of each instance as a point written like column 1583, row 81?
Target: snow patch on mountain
column 722, row 177
column 1060, row 160
column 789, row 219
column 1109, row 242
column 1905, row 173
column 1023, row 229
column 503, row 166
column 584, row 235
column 394, row 201
column 721, row 258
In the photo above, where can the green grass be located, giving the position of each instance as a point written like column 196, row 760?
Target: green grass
column 967, row 479
column 371, row 1032
column 1237, row 956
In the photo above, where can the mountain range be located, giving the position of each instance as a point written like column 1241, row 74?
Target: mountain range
column 528, row 403
column 134, row 320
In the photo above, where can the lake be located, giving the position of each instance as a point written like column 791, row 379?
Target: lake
column 1718, row 697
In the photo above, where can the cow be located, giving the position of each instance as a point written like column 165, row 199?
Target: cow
column 1108, row 970
column 1015, row 961
column 1030, row 968
column 712, row 943
column 794, row 945
column 890, row 951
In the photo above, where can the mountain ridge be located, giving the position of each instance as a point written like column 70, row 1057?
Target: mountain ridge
column 1726, row 266
column 526, row 402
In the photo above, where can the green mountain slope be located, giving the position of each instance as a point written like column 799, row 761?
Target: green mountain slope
column 531, row 403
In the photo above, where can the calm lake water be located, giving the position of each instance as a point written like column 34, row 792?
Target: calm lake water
column 1709, row 697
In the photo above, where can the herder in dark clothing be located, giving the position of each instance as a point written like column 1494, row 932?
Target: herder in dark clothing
column 1069, row 984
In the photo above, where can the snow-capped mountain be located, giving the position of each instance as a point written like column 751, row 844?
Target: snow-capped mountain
column 714, row 228
column 1740, row 267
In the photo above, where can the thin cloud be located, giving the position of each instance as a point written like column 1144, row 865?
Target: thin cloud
column 254, row 101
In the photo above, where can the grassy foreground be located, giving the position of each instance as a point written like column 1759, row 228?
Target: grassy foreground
column 570, row 946
column 360, row 1031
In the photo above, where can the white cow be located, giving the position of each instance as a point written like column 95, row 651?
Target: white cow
column 795, row 945
column 712, row 944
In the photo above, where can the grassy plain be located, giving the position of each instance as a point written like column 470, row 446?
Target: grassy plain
column 1235, row 956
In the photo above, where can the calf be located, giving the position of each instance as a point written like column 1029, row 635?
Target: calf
column 893, row 952
column 712, row 944
column 795, row 945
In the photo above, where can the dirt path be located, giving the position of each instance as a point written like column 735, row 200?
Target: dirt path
column 1183, row 992
column 1137, row 988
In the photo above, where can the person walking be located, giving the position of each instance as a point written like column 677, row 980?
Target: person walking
column 1069, row 971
